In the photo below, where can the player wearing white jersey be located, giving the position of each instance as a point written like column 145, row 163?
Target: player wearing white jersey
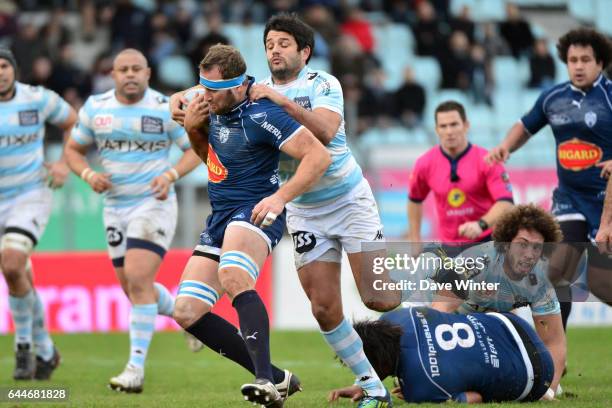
column 25, row 206
column 516, row 266
column 339, row 212
column 133, row 132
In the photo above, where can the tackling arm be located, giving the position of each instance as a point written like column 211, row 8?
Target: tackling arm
column 550, row 330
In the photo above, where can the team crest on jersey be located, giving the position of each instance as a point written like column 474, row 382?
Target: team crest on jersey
column 28, row 117
column 223, row 134
column 456, row 197
column 151, row 124
column 217, row 172
column 103, row 123
column 259, row 118
column 590, row 118
column 577, row 155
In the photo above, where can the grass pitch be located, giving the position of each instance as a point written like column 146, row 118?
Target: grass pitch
column 176, row 377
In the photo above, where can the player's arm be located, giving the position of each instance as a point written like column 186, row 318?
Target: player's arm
column 468, row 397
column 322, row 122
column 446, row 301
column 75, row 154
column 58, row 171
column 516, row 137
column 161, row 184
column 196, row 123
column 604, row 234
column 550, row 329
column 415, row 218
column 473, row 229
column 314, row 160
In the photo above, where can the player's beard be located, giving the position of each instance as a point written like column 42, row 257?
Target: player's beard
column 9, row 92
column 290, row 69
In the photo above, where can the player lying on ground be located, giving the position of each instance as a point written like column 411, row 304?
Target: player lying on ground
column 440, row 357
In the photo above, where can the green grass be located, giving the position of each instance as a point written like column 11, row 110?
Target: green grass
column 179, row 378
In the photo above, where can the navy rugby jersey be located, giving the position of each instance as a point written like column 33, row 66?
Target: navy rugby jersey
column 444, row 355
column 243, row 153
column 582, row 124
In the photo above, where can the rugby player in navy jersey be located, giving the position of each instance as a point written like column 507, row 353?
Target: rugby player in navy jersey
column 440, row 357
column 241, row 140
column 579, row 112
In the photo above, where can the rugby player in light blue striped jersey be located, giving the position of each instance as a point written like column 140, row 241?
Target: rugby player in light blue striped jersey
column 132, row 130
column 25, row 206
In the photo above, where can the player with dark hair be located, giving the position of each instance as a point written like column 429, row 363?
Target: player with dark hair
column 339, row 212
column 470, row 195
column 440, row 357
column 25, row 206
column 579, row 112
column 241, row 142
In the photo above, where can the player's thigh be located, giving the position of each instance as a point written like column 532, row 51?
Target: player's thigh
column 24, row 219
column 199, row 290
column 372, row 289
column 150, row 229
column 115, row 226
column 358, row 226
column 321, row 281
column 599, row 274
column 141, row 264
column 311, row 239
column 565, row 256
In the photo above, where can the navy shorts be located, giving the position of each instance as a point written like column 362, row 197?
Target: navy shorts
column 211, row 239
column 571, row 206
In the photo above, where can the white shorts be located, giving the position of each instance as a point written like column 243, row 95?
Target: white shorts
column 27, row 214
column 320, row 233
column 150, row 225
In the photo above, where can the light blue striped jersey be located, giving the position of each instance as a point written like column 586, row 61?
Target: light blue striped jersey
column 22, row 129
column 534, row 290
column 133, row 142
column 318, row 89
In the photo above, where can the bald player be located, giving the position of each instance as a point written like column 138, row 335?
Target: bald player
column 132, row 130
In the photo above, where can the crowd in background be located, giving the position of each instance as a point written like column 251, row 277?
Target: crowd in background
column 71, row 50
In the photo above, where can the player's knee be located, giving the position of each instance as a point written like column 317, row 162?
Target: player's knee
column 188, row 311
column 382, row 305
column 326, row 312
column 13, row 265
column 234, row 282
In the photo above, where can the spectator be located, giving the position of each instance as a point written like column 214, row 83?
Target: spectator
column 42, row 68
column 375, row 104
column 542, row 66
column 348, row 58
column 481, row 81
column 66, row 75
column 429, row 32
column 26, row 48
column 409, row 100
column 326, row 30
column 54, row 34
column 92, row 36
column 130, row 27
column 101, row 78
column 359, row 27
column 463, row 22
column 457, row 64
column 214, row 36
column 8, row 22
column 492, row 42
column 516, row 31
